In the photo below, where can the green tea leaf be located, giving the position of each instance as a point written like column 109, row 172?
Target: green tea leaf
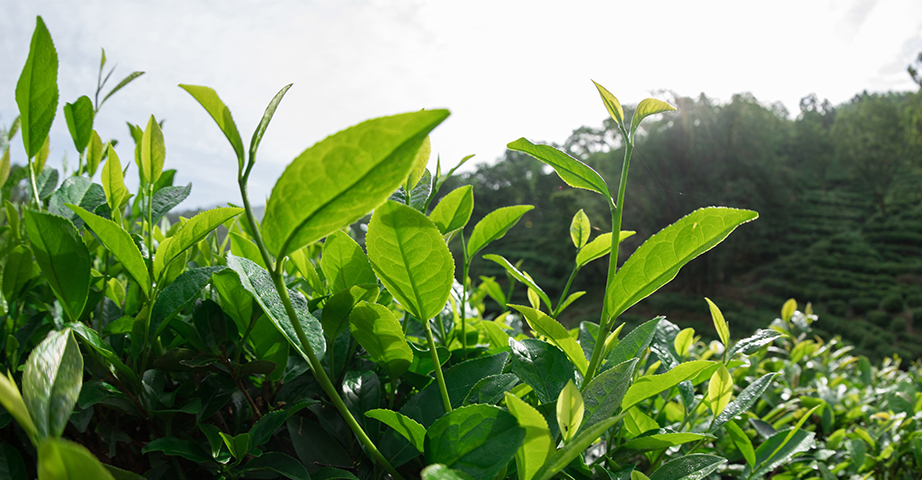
column 264, row 121
column 788, row 309
column 42, row 156
column 343, row 263
column 746, row 399
column 51, row 383
column 4, row 167
column 197, row 228
column 209, row 99
column 63, row 257
column 120, row 243
column 280, row 463
column 720, row 390
column 634, row 343
column 342, row 178
column 79, row 116
column 37, row 90
column 720, row 324
column 183, row 290
column 611, row 104
column 60, row 459
column 752, row 344
column 490, row 390
column 778, row 449
column 406, row 426
column 742, row 442
column 599, row 247
column 78, row 191
column 336, row 310
column 269, row 344
column 408, row 254
column 572, row 171
column 244, row 247
column 238, row 445
column 314, row 445
column 113, row 182
column 419, row 165
column 18, row 270
column 647, row 107
column 12, row 401
column 258, row 282
column 696, row 466
column 537, row 445
column 46, row 183
column 478, row 440
column 493, row 226
column 580, row 228
column 659, row 259
column 91, row 338
column 520, row 276
column 94, row 153
column 454, row 210
column 683, row 341
column 556, row 333
column 179, row 447
column 379, row 332
column 437, row 471
column 646, row 387
column 11, row 465
column 542, row 366
column 570, row 299
column 153, row 152
column 304, row 265
column 603, row 394
column 570, row 410
column 125, row 81
column 663, row 438
column 561, row 458
column 166, row 198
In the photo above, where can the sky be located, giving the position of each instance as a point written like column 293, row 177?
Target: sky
column 505, row 69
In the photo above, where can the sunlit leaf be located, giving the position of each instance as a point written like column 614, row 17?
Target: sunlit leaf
column 493, row 226
column 720, row 390
column 120, row 243
column 720, row 324
column 520, row 276
column 37, row 90
column 60, row 459
column 648, row 386
column 51, row 382
column 379, row 332
column 153, row 152
column 113, row 181
column 611, row 104
column 572, row 171
column 406, row 426
column 598, row 247
column 79, row 117
column 454, row 210
column 580, row 228
column 193, row 231
column 209, row 99
column 556, row 333
column 478, row 440
column 647, row 107
column 537, row 445
column 63, row 257
column 570, row 410
column 343, row 263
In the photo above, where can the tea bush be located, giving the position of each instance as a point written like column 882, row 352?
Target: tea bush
column 303, row 346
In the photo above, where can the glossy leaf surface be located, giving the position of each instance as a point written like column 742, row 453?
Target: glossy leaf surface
column 379, row 332
column 183, row 290
column 197, row 228
column 720, row 324
column 120, row 243
column 561, row 458
column 603, row 394
column 342, row 178
column 63, row 257
column 408, row 254
column 542, row 366
column 493, row 226
column 646, row 387
column 51, row 382
column 690, row 467
column 402, row 424
column 570, row 410
column 454, row 210
column 572, row 171
column 537, row 445
column 335, row 316
column 113, row 181
column 659, row 259
column 556, row 333
column 478, row 440
column 78, row 191
column 746, row 399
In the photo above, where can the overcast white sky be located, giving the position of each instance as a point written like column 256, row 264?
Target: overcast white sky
column 505, row 69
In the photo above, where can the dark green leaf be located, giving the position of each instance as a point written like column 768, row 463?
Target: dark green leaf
column 167, row 198
column 542, row 366
column 37, row 90
column 490, row 390
column 603, row 394
column 634, row 343
column 746, row 399
column 258, row 282
column 77, row 191
column 11, row 465
column 177, row 294
column 45, row 183
column 576, row 173
column 179, row 447
column 478, row 440
column 332, row 473
column 79, row 116
column 18, row 270
column 314, row 445
column 91, row 338
column 556, row 334
column 418, row 194
column 752, row 344
column 659, row 259
column 279, row 463
column 493, row 226
column 51, row 382
column 63, row 257
column 343, row 177
column 197, row 228
column 690, row 467
column 361, row 393
column 234, row 299
column 769, row 457
column 410, row 257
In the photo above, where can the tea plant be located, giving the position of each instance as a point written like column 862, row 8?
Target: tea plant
column 227, row 346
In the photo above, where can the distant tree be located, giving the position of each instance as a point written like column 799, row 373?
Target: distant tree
column 913, row 70
column 811, row 147
column 872, row 143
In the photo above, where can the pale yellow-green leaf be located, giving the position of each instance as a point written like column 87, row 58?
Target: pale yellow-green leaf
column 647, row 107
column 12, row 401
column 113, row 181
column 684, row 340
column 538, row 443
column 580, row 229
column 94, row 153
column 4, row 167
column 788, row 309
column 720, row 390
column 153, row 152
column 570, row 410
column 720, row 324
column 611, row 104
column 419, row 164
column 42, row 156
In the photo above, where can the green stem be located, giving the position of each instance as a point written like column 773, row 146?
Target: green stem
column 38, row 201
column 316, row 367
column 438, row 367
column 464, row 271
column 566, row 290
column 617, row 209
